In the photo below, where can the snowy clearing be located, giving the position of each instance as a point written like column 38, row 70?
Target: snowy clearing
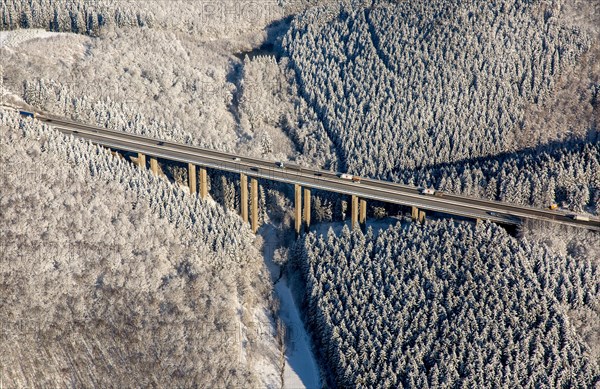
column 14, row 38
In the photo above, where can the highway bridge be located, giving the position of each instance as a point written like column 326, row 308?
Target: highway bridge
column 306, row 179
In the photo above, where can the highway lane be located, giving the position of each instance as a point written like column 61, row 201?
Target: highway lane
column 317, row 179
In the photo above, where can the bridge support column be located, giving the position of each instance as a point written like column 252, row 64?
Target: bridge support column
column 244, row 197
column 203, row 183
column 414, row 213
column 421, row 216
column 362, row 216
column 254, row 201
column 298, row 208
column 307, row 208
column 192, row 177
column 154, row 165
column 141, row 160
column 354, row 212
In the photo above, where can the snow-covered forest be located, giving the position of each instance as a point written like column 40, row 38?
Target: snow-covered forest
column 142, row 81
column 447, row 305
column 195, row 94
column 211, row 19
column 415, row 85
column 190, row 314
column 568, row 176
column 146, row 69
column 112, row 275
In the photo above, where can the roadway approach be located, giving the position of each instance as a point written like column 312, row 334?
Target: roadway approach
column 388, row 192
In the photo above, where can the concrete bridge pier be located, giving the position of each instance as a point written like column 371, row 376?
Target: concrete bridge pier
column 298, row 208
column 154, row 165
column 414, row 213
column 141, row 160
column 354, row 212
column 203, row 183
column 306, row 209
column 254, row 203
column 192, row 177
column 421, row 216
column 362, row 214
column 244, row 197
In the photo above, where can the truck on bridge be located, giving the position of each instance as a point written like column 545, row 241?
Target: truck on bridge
column 581, row 218
column 350, row 177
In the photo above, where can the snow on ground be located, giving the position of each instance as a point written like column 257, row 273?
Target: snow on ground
column 16, row 37
column 264, row 363
column 301, row 370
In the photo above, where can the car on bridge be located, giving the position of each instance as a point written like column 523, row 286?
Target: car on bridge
column 280, row 165
column 427, row 191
